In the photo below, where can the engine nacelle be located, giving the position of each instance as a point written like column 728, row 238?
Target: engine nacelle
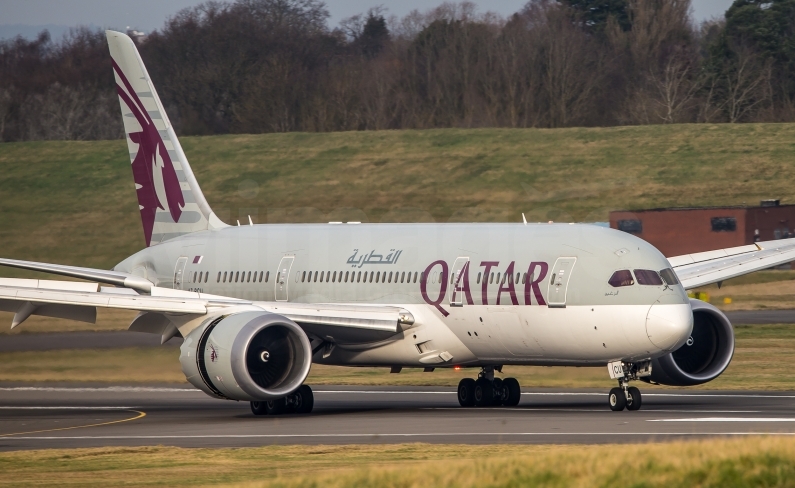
column 706, row 354
column 254, row 356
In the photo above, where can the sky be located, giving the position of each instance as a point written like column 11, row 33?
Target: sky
column 27, row 17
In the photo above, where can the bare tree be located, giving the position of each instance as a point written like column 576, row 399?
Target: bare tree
column 747, row 84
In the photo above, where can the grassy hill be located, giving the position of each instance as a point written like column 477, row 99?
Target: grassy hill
column 73, row 202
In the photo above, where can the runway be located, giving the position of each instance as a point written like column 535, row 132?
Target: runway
column 61, row 417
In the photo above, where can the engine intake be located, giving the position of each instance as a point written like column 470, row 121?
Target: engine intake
column 254, row 356
column 704, row 356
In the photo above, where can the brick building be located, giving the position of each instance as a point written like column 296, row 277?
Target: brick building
column 677, row 231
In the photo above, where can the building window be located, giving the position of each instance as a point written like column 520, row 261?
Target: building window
column 633, row 226
column 724, row 224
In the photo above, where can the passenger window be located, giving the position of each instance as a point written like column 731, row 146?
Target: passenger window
column 347, row 273
column 303, row 277
column 334, row 277
column 267, row 275
column 218, row 280
column 619, row 278
column 415, row 277
column 390, row 277
column 237, row 276
column 359, row 277
column 248, row 278
column 648, row 277
column 403, row 277
column 524, row 278
column 206, row 275
column 321, row 276
column 225, row 273
column 669, row 276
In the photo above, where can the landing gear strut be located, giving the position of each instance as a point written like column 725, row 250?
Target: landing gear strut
column 300, row 401
column 625, row 396
column 488, row 391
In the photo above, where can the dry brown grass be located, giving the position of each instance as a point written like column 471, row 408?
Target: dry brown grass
column 107, row 320
column 762, row 361
column 740, row 462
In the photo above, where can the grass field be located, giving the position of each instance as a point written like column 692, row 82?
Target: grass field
column 762, row 360
column 743, row 462
column 74, row 203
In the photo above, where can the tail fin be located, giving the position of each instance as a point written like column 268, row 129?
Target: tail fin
column 169, row 197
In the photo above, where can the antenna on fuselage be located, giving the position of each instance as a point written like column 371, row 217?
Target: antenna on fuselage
column 249, row 221
column 524, row 219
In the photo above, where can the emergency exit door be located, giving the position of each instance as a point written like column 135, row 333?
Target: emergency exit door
column 179, row 272
column 457, row 281
column 559, row 282
column 283, row 278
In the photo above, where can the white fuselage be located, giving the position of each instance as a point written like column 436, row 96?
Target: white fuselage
column 480, row 293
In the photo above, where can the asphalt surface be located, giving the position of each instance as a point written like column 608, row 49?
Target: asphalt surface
column 109, row 340
column 54, row 417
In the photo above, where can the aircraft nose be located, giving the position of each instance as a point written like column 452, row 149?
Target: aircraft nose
column 669, row 325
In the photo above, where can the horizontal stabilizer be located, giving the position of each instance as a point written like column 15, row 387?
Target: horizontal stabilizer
column 109, row 277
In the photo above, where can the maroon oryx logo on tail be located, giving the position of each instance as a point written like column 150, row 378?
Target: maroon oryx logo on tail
column 156, row 179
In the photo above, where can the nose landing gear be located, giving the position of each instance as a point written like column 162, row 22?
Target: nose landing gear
column 625, row 396
column 488, row 391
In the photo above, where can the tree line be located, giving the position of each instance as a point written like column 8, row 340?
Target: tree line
column 256, row 66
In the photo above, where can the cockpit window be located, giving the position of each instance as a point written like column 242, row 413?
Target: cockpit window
column 669, row 276
column 621, row 278
column 648, row 277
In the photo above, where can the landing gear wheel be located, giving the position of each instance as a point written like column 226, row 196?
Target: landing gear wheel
column 499, row 392
column 513, row 393
column 258, row 408
column 276, row 407
column 634, row 400
column 617, row 399
column 303, row 399
column 466, row 392
column 484, row 392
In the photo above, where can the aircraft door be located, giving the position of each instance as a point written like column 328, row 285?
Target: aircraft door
column 179, row 272
column 283, row 278
column 559, row 283
column 457, row 274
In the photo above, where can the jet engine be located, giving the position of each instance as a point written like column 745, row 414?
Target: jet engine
column 704, row 356
column 254, row 356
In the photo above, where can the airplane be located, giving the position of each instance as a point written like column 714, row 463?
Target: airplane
column 257, row 305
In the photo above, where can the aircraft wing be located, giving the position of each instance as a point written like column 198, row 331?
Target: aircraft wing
column 695, row 270
column 348, row 323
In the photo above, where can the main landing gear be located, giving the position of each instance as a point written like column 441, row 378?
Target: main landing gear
column 300, row 401
column 488, row 391
column 625, row 396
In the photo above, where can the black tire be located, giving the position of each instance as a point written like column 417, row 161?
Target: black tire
column 276, row 407
column 617, row 399
column 499, row 392
column 513, row 393
column 635, row 399
column 304, row 399
column 466, row 392
column 258, row 408
column 484, row 392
